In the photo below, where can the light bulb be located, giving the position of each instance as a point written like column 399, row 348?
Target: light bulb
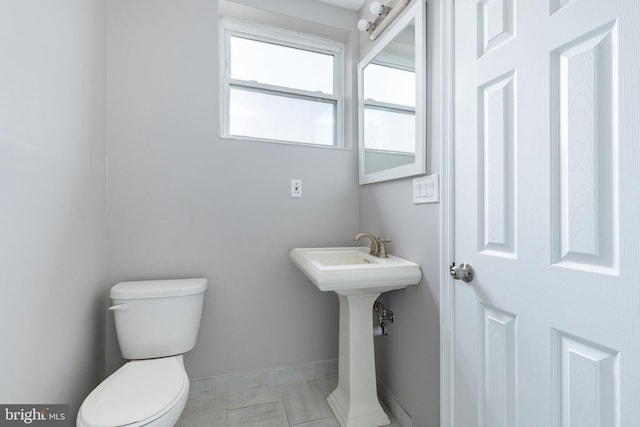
column 364, row 25
column 376, row 8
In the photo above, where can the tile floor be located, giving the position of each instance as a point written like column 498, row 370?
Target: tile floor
column 301, row 404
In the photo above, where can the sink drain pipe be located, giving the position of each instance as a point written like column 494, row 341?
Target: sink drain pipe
column 384, row 316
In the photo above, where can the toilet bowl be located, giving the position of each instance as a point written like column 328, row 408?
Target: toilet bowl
column 156, row 322
column 149, row 393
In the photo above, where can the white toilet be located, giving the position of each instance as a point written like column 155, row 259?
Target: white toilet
column 157, row 321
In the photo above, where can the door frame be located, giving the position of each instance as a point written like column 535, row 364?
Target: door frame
column 447, row 208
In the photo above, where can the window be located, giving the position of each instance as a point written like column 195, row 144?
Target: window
column 281, row 86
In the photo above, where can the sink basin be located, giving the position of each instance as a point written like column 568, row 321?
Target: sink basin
column 351, row 271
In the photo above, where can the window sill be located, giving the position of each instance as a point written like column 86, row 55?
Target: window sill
column 279, row 142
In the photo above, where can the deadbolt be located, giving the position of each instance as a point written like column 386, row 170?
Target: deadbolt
column 462, row 272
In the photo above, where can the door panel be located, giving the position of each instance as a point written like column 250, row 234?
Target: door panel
column 497, row 357
column 586, row 382
column 496, row 166
column 496, row 23
column 585, row 203
column 546, row 129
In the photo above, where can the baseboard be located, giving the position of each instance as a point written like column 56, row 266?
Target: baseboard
column 392, row 406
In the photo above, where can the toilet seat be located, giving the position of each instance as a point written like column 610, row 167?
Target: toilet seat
column 138, row 393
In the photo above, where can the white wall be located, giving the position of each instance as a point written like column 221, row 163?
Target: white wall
column 407, row 360
column 183, row 202
column 52, row 199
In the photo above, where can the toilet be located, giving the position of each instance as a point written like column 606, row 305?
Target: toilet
column 157, row 321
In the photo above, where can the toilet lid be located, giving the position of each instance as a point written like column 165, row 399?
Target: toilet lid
column 138, row 391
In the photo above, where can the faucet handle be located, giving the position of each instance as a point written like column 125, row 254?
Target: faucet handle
column 382, row 249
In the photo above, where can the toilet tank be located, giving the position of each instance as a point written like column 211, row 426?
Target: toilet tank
column 157, row 318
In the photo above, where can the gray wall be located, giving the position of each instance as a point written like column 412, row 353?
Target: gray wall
column 407, row 360
column 183, row 202
column 52, row 199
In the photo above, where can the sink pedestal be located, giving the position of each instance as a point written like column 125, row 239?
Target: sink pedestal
column 355, row 401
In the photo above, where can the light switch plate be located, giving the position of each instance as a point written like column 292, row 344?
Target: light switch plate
column 426, row 189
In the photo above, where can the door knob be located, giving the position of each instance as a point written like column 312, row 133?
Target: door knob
column 462, row 272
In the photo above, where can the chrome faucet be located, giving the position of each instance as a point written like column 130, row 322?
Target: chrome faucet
column 374, row 242
column 378, row 247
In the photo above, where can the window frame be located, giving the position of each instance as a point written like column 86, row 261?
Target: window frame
column 281, row 37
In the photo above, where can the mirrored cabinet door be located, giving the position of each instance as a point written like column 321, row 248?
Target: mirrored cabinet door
column 392, row 101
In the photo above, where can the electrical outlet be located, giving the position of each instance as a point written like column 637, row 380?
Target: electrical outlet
column 296, row 188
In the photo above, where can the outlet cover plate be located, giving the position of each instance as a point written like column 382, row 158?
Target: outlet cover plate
column 296, row 188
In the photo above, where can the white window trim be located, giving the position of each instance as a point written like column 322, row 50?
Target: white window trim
column 231, row 27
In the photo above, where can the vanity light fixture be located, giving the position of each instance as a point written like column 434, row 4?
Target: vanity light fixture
column 384, row 16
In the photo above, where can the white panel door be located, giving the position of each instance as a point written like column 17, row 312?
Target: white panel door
column 547, row 211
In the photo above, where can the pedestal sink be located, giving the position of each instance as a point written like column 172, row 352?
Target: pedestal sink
column 358, row 278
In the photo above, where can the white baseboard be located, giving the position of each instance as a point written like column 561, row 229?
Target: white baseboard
column 392, row 406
